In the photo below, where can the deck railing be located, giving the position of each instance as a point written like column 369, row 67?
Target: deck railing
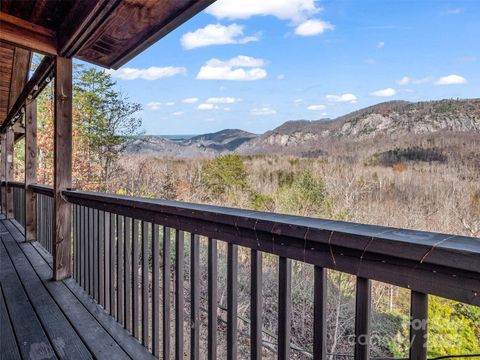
column 125, row 247
column 140, row 259
column 18, row 189
column 44, row 195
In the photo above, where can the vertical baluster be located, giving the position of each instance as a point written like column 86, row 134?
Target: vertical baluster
column 79, row 241
column 75, row 242
column 320, row 314
column 85, row 248
column 232, row 294
column 212, row 299
column 179, row 294
column 113, row 307
column 135, row 305
column 256, row 260
column 284, row 307
column 362, row 318
column 155, row 291
column 107, row 281
column 195, row 297
column 82, row 246
column 96, row 256
column 90, row 252
column 101, row 252
column 120, row 280
column 145, row 284
column 50, row 224
column 128, row 273
column 166, row 293
column 418, row 326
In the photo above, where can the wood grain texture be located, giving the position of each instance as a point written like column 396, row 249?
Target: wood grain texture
column 25, row 34
column 30, row 170
column 62, row 167
column 9, row 147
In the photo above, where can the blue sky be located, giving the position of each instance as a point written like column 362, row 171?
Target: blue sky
column 254, row 64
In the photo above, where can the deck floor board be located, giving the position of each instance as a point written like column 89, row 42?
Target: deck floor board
column 42, row 318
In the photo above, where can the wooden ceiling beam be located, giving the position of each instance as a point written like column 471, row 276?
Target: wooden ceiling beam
column 33, row 87
column 27, row 35
column 20, row 69
column 81, row 22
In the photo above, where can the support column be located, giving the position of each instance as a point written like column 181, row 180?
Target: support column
column 9, row 146
column 2, row 172
column 62, row 168
column 30, row 170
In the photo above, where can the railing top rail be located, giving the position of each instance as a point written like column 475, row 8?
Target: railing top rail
column 439, row 264
column 16, row 184
column 42, row 189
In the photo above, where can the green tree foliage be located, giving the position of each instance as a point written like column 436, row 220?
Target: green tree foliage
column 105, row 116
column 226, row 172
column 307, row 195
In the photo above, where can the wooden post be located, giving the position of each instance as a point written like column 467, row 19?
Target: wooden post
column 30, row 170
column 62, row 167
column 2, row 171
column 9, row 145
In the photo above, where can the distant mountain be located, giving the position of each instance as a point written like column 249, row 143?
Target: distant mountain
column 393, row 119
column 202, row 145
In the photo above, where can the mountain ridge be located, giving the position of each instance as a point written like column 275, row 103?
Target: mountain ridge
column 393, row 119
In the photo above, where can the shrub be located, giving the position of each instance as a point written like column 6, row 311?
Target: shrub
column 307, row 195
column 223, row 173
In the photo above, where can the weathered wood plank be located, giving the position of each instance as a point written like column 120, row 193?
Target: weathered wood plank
column 64, row 339
column 84, row 315
column 27, row 327
column 62, row 167
column 8, row 343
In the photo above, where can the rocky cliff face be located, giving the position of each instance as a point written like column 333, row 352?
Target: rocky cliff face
column 392, row 119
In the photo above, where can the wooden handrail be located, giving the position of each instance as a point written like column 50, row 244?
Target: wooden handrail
column 430, row 263
column 42, row 189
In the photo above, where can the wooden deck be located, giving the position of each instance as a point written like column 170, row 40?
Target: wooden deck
column 45, row 319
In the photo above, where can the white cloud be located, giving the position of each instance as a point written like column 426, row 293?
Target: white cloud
column 381, row 44
column 178, row 113
column 153, row 105
column 384, row 92
column 240, row 68
column 191, row 100
column 453, row 11
column 316, row 107
column 296, row 101
column 223, row 100
column 342, row 98
column 207, row 107
column 291, row 10
column 216, row 34
column 263, row 111
column 451, row 80
column 280, row 77
column 151, row 73
column 170, row 103
column 313, row 27
column 406, row 80
column 227, row 108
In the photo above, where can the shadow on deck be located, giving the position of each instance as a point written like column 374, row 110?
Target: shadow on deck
column 45, row 319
